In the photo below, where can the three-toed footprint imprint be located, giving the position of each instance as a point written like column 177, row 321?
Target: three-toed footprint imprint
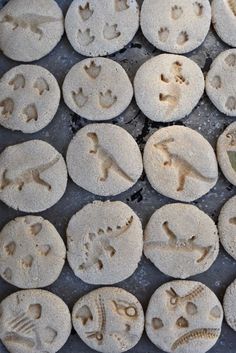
column 97, row 89
column 186, row 28
column 220, row 82
column 94, row 35
column 29, row 98
column 35, row 244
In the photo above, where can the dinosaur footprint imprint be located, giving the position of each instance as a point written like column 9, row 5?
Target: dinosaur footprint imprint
column 182, row 38
column 6, row 108
column 231, row 103
column 163, row 34
column 10, row 248
column 231, row 60
column 110, row 31
column 198, row 8
column 30, row 113
column 93, row 70
column 176, row 12
column 85, row 12
column 216, row 82
column 18, row 82
column 84, row 37
column 80, row 98
column 41, row 86
column 121, row 5
column 107, row 99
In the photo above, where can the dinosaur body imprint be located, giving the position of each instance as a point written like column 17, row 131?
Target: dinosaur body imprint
column 29, row 20
column 184, row 168
column 107, row 162
column 29, row 176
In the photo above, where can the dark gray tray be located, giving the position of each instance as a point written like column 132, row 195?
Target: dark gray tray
column 142, row 198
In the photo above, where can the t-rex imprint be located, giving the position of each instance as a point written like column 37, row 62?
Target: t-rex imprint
column 29, row 20
column 107, row 162
column 184, row 168
column 29, row 176
column 181, row 245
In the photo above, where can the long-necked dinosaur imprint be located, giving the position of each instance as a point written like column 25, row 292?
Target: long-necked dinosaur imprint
column 31, row 175
column 29, row 20
column 99, row 244
column 106, row 161
column 177, row 244
column 184, row 168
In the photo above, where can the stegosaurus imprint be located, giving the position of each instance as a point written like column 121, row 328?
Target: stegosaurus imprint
column 98, row 244
column 177, row 244
column 29, row 176
column 184, row 168
column 29, row 20
column 108, row 164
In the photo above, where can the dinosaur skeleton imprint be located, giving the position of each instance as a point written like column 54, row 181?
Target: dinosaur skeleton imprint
column 198, row 334
column 85, row 12
column 176, row 12
column 6, row 108
column 98, row 244
column 125, row 309
column 30, row 113
column 184, row 168
column 106, row 161
column 31, row 175
column 121, row 5
column 198, row 8
column 107, row 100
column 100, row 332
column 17, row 82
column 110, row 31
column 41, row 85
column 176, row 300
column 84, row 37
column 177, row 244
column 93, row 70
column 29, row 20
column 232, row 5
column 22, row 327
column 232, row 136
column 80, row 98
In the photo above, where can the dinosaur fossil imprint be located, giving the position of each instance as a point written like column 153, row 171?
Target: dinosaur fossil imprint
column 176, row 299
column 22, row 329
column 197, row 334
column 29, row 20
column 31, row 175
column 180, row 245
column 98, row 244
column 107, row 162
column 184, row 168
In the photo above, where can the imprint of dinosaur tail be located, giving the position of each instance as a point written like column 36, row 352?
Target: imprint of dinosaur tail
column 198, row 334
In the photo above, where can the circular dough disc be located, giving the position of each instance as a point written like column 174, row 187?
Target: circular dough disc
column 181, row 240
column 98, row 161
column 30, row 29
column 184, row 317
column 109, row 320
column 229, row 305
column 168, row 87
column 33, row 176
column 180, row 163
column 105, row 242
column 99, row 28
column 224, row 20
column 32, row 252
column 34, row 321
column 220, row 82
column 176, row 27
column 97, row 89
column 29, row 98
